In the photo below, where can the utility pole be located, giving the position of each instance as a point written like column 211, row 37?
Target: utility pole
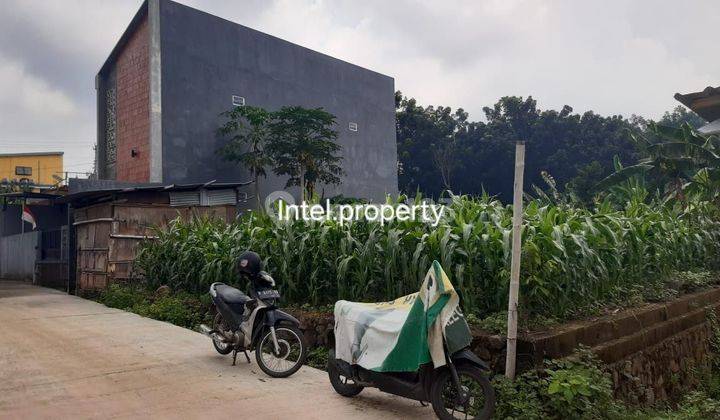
column 515, row 263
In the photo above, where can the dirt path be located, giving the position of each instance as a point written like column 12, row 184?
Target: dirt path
column 66, row 357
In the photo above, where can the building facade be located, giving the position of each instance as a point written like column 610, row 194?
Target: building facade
column 37, row 169
column 176, row 69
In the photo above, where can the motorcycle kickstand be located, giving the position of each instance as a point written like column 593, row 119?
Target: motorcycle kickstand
column 234, row 356
column 246, row 356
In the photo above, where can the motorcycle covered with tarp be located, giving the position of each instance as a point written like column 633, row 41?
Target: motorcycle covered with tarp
column 416, row 346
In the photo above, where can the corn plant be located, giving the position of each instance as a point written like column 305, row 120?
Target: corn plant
column 572, row 258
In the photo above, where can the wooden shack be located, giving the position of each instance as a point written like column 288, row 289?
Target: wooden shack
column 109, row 224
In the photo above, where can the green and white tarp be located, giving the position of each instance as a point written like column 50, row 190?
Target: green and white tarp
column 401, row 335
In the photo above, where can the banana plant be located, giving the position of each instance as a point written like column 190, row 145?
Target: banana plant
column 678, row 159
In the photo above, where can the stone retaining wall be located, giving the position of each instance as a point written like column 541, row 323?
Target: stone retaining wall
column 651, row 351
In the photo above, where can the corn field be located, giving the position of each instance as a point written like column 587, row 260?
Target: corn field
column 572, row 257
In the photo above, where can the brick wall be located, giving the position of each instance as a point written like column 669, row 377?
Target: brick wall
column 133, row 107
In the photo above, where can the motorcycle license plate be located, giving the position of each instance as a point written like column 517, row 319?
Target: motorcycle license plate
column 268, row 294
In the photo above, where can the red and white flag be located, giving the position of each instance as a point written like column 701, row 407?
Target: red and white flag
column 27, row 216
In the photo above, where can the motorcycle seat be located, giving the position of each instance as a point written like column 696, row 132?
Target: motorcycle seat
column 230, row 294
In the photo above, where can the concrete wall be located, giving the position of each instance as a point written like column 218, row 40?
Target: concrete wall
column 18, row 254
column 651, row 351
column 206, row 59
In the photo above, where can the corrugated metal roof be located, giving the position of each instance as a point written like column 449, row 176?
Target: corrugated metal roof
column 211, row 185
column 712, row 128
column 705, row 103
column 29, row 194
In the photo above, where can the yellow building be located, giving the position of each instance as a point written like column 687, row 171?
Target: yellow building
column 38, row 168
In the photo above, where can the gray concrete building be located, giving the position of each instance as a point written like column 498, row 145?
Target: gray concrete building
column 175, row 69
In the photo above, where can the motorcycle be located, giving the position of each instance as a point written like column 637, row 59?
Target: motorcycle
column 415, row 347
column 253, row 322
column 460, row 389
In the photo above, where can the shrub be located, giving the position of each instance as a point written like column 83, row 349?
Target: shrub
column 317, row 358
column 577, row 390
column 571, row 388
column 123, row 296
column 518, row 400
column 697, row 405
column 180, row 310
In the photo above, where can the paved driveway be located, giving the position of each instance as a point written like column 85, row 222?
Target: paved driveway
column 66, row 357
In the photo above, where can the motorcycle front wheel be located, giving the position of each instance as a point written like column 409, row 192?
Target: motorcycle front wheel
column 290, row 357
column 477, row 401
column 342, row 385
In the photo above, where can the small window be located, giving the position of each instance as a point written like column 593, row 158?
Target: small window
column 353, row 126
column 238, row 100
column 23, row 170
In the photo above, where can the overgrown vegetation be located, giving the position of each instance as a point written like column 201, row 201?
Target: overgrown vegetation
column 578, row 388
column 574, row 259
column 572, row 388
column 179, row 308
column 317, row 358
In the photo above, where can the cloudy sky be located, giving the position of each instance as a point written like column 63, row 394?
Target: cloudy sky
column 614, row 57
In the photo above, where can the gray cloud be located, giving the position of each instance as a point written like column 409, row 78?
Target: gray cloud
column 613, row 57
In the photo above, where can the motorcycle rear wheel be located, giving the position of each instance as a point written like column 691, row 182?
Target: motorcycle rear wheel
column 480, row 403
column 220, row 346
column 340, row 384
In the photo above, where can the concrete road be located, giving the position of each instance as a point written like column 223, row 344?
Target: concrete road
column 65, row 357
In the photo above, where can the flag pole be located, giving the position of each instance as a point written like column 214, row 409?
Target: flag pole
column 512, row 320
column 22, row 221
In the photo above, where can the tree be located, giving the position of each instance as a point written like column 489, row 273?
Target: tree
column 679, row 116
column 249, row 130
column 303, row 146
column 429, row 150
column 676, row 160
column 439, row 147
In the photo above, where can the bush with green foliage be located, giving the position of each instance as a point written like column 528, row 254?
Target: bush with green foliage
column 317, row 358
column 518, row 399
column 571, row 388
column 179, row 308
column 123, row 296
